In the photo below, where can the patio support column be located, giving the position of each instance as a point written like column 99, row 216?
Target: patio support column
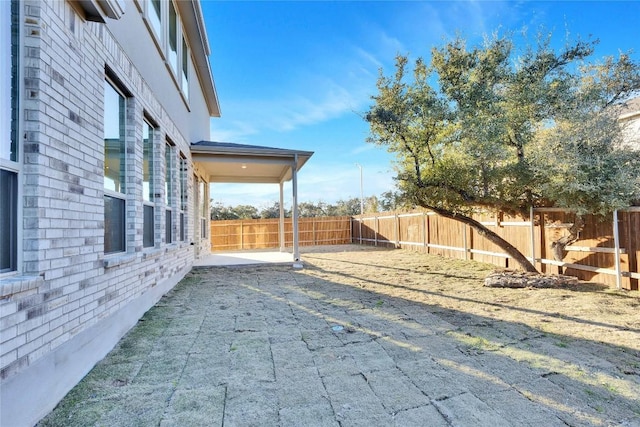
column 294, row 212
column 281, row 228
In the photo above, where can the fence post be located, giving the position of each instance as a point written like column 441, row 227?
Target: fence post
column 351, row 229
column 464, row 241
column 375, row 229
column 241, row 235
column 424, row 231
column 533, row 237
column 397, row 224
column 616, row 240
column 427, row 238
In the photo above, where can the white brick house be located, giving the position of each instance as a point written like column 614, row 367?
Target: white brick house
column 101, row 205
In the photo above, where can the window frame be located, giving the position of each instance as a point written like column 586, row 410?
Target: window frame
column 148, row 201
column 178, row 62
column 150, row 16
column 173, row 62
column 12, row 164
column 11, row 192
column 120, row 194
column 203, row 191
column 184, row 174
column 169, row 197
column 185, row 68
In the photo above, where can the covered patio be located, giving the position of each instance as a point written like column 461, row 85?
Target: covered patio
column 226, row 162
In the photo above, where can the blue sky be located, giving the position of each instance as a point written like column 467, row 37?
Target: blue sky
column 298, row 74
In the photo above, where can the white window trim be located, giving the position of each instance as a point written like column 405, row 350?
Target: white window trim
column 117, row 194
column 202, row 207
column 151, row 202
column 169, row 201
column 174, row 71
column 183, row 202
column 16, row 166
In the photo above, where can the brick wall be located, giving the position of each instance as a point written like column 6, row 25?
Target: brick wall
column 67, row 283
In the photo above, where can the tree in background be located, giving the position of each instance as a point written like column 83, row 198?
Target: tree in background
column 221, row 212
column 310, row 209
column 493, row 128
column 273, row 211
column 348, row 207
column 392, row 201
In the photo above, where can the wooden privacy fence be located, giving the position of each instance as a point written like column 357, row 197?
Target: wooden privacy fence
column 607, row 251
column 232, row 235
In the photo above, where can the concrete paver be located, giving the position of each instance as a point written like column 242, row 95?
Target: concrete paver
column 273, row 346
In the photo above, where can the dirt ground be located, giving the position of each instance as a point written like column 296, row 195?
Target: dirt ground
column 588, row 310
column 363, row 336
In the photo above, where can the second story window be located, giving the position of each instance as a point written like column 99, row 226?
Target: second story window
column 164, row 23
column 185, row 69
column 173, row 38
column 154, row 14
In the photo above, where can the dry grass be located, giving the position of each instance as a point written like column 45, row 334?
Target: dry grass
column 586, row 310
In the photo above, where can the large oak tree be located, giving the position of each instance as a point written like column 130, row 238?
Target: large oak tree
column 494, row 127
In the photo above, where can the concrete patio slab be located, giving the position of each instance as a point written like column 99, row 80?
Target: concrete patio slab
column 222, row 259
column 366, row 337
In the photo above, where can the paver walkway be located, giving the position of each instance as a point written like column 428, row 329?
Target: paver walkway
column 326, row 346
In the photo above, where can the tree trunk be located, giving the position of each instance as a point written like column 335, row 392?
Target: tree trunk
column 511, row 250
column 558, row 246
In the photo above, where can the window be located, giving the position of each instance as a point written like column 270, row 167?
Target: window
column 9, row 166
column 147, row 185
column 154, row 14
column 183, row 196
column 168, row 192
column 114, row 169
column 163, row 21
column 8, row 220
column 173, row 38
column 185, row 69
column 202, row 198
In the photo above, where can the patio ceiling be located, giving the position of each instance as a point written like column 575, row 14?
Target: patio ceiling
column 240, row 163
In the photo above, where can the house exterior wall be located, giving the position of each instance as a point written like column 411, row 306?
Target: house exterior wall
column 68, row 303
column 631, row 130
column 629, row 120
column 191, row 118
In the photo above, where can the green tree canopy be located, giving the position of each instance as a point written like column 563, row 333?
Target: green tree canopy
column 221, row 212
column 493, row 127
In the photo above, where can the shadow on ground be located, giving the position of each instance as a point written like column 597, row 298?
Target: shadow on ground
column 366, row 338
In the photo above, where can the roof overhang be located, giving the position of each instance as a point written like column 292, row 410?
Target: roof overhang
column 239, row 163
column 98, row 10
